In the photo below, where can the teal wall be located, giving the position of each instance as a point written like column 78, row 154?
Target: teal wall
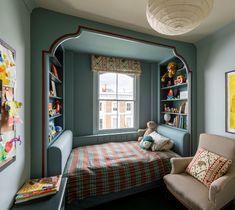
column 46, row 26
column 79, row 93
column 215, row 56
column 15, row 30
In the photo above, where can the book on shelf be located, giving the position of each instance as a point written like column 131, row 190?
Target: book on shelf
column 53, row 89
column 54, row 71
column 37, row 188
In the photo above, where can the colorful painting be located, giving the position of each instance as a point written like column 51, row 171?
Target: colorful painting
column 230, row 101
column 8, row 115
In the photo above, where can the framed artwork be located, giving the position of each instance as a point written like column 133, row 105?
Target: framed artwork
column 230, row 101
column 7, row 102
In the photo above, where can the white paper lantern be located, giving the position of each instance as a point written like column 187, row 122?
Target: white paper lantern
column 175, row 17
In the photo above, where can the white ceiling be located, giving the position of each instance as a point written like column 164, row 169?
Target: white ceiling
column 130, row 14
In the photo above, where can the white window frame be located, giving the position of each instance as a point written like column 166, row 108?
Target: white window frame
column 102, row 121
column 101, row 107
column 135, row 100
column 113, row 102
column 128, row 117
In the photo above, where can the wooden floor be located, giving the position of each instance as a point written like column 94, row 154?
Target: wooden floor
column 150, row 200
column 155, row 199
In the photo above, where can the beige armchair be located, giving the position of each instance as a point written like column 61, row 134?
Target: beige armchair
column 193, row 194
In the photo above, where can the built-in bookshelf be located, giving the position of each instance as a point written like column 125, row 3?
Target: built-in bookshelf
column 174, row 95
column 54, row 97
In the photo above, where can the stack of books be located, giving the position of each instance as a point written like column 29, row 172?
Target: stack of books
column 37, row 188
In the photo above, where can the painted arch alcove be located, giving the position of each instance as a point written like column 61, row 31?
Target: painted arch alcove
column 70, row 55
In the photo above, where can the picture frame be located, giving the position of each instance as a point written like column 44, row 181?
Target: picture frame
column 230, row 101
column 7, row 93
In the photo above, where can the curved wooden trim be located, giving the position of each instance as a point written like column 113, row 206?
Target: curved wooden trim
column 59, row 40
column 64, row 37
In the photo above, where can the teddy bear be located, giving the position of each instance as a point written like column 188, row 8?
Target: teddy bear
column 151, row 126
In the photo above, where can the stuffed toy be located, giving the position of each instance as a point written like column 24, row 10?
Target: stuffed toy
column 168, row 76
column 151, row 126
column 146, row 142
column 180, row 79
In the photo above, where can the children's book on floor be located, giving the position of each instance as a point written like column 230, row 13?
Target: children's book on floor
column 37, row 188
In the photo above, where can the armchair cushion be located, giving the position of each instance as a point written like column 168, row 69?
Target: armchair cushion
column 191, row 192
column 207, row 166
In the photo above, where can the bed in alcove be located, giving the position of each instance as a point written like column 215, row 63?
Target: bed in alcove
column 92, row 101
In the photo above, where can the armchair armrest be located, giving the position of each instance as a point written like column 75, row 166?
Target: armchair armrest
column 179, row 164
column 224, row 187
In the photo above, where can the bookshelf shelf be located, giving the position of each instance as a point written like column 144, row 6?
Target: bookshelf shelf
column 174, row 86
column 55, row 116
column 174, row 113
column 54, row 78
column 183, row 99
column 55, row 97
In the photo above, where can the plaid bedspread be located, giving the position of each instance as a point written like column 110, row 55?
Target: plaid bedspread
column 112, row 167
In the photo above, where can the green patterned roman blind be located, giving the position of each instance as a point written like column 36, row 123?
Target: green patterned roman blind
column 117, row 65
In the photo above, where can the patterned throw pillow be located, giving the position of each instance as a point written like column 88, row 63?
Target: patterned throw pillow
column 207, row 166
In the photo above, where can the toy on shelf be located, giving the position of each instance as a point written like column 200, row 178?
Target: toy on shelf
column 52, row 131
column 179, row 79
column 58, row 107
column 167, row 118
column 167, row 78
column 58, row 129
column 170, row 95
column 168, row 109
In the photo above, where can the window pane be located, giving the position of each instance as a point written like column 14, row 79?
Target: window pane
column 125, row 87
column 107, row 86
column 108, row 114
column 125, row 114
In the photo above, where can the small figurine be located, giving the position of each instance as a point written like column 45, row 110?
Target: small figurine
column 58, row 107
column 58, row 129
column 170, row 95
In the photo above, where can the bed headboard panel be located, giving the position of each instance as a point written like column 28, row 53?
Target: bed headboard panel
column 58, row 153
column 181, row 139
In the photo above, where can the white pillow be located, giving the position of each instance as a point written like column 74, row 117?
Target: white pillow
column 160, row 142
column 157, row 137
